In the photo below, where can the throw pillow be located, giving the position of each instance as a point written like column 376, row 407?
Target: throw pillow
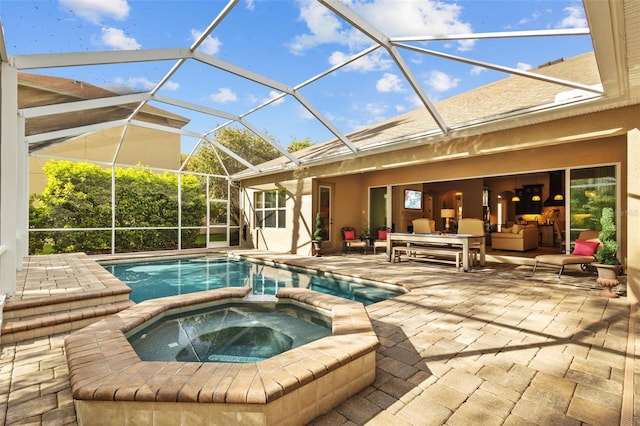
column 382, row 234
column 516, row 229
column 349, row 235
column 585, row 248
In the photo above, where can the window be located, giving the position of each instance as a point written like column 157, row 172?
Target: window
column 271, row 211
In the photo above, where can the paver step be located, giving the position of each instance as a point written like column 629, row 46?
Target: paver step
column 58, row 303
column 26, row 327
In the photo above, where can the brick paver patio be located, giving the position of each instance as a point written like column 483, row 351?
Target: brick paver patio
column 495, row 346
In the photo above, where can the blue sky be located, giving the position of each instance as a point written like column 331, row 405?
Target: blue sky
column 290, row 42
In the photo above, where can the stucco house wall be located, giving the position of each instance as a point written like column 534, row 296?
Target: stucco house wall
column 574, row 142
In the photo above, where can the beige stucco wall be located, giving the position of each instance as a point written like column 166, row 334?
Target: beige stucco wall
column 350, row 203
column 150, row 147
column 296, row 237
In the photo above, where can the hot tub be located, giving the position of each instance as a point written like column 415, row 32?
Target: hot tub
column 242, row 332
column 112, row 385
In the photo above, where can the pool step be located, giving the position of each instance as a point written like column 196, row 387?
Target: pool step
column 28, row 322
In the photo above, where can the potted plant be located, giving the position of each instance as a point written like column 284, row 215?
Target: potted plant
column 317, row 236
column 365, row 235
column 607, row 263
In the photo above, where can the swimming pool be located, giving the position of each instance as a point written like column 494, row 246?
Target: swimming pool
column 161, row 278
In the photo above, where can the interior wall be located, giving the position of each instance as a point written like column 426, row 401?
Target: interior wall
column 401, row 218
column 506, row 186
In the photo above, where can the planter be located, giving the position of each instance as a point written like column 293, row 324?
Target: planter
column 317, row 248
column 607, row 278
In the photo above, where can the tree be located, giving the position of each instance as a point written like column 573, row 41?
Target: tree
column 242, row 142
column 298, row 144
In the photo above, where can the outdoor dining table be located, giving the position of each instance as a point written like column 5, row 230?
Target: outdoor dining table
column 465, row 241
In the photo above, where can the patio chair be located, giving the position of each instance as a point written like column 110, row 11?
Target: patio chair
column 381, row 239
column 350, row 240
column 586, row 246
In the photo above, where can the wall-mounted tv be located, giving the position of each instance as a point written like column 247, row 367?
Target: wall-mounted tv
column 412, row 199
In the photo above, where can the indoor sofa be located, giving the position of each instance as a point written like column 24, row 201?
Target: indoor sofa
column 517, row 238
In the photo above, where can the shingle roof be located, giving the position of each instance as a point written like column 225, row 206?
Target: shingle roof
column 506, row 96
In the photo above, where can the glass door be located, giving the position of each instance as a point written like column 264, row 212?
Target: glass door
column 377, row 209
column 324, row 207
column 591, row 189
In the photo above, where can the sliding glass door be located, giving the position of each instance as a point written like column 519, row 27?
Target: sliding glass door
column 378, row 208
column 591, row 190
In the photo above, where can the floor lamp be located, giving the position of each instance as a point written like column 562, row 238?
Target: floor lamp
column 447, row 214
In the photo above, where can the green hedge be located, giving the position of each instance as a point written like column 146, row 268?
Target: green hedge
column 78, row 195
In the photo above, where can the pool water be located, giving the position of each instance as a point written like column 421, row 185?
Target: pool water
column 240, row 332
column 161, row 278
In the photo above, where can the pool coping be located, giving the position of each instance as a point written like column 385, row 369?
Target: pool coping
column 103, row 365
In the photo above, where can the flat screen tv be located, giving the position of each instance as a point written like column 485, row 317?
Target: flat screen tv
column 412, row 199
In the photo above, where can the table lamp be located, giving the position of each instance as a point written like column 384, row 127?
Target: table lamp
column 447, row 214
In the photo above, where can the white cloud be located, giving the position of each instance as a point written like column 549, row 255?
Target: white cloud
column 465, row 45
column 116, row 39
column 210, row 45
column 132, row 84
column 414, row 100
column 143, row 82
column 575, row 18
column 323, row 27
column 223, row 96
column 523, row 66
column 171, row 86
column 400, row 108
column 95, row 11
column 408, row 18
column 375, row 109
column 374, row 61
column 306, row 115
column 416, row 59
column 273, row 94
column 367, row 115
column 441, row 82
column 534, row 17
column 475, row 70
column 389, row 83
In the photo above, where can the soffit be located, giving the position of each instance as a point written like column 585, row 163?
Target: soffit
column 39, row 91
